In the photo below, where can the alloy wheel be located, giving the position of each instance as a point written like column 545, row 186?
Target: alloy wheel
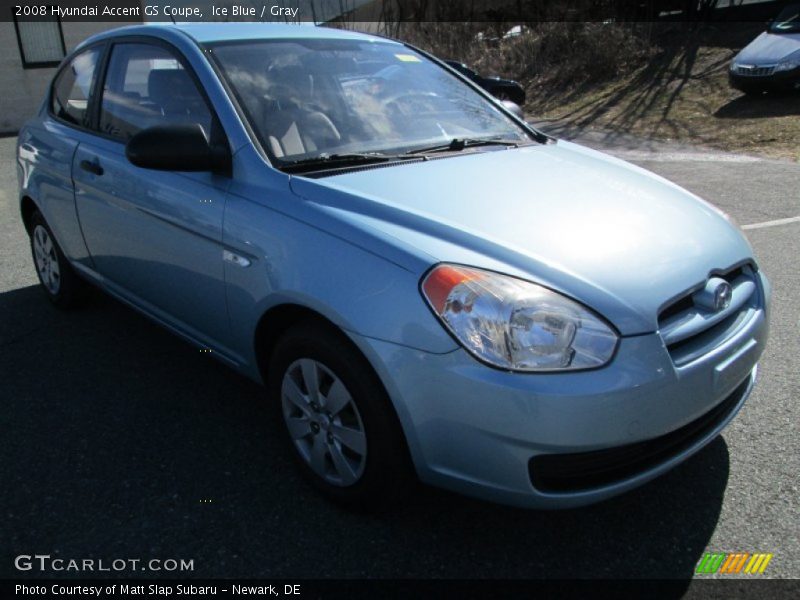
column 324, row 422
column 44, row 251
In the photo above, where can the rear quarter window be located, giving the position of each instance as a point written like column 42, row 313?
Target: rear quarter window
column 72, row 87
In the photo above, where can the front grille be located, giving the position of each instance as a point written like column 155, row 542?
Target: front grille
column 753, row 71
column 689, row 329
column 585, row 470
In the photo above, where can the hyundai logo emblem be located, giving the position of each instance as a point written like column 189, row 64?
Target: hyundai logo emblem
column 722, row 296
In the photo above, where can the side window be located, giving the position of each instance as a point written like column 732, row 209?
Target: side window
column 146, row 85
column 71, row 89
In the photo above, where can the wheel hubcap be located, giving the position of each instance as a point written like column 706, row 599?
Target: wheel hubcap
column 324, row 422
column 44, row 253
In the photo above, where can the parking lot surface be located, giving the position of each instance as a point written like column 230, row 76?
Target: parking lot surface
column 117, row 440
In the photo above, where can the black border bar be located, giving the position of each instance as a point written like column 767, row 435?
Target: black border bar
column 745, row 586
column 393, row 11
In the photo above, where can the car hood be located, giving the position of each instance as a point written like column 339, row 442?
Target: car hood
column 769, row 48
column 615, row 237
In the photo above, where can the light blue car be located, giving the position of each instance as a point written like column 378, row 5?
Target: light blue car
column 427, row 287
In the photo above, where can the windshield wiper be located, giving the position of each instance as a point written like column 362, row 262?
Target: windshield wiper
column 352, row 159
column 459, row 144
column 338, row 161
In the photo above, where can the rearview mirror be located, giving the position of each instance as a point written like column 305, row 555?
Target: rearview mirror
column 514, row 108
column 176, row 148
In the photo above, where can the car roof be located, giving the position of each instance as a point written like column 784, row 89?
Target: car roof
column 219, row 32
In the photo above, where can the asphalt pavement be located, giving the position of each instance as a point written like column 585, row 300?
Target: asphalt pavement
column 117, row 440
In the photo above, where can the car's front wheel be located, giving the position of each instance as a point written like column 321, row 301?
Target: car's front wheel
column 339, row 420
column 60, row 283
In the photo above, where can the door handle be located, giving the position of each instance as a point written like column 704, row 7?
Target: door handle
column 92, row 167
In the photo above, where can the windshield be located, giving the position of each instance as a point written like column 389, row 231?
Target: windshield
column 316, row 98
column 788, row 21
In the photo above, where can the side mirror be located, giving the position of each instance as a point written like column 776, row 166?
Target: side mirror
column 514, row 108
column 176, row 148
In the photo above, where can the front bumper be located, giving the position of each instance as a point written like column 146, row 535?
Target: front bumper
column 781, row 81
column 476, row 430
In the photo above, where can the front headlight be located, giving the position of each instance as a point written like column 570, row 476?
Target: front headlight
column 515, row 324
column 788, row 65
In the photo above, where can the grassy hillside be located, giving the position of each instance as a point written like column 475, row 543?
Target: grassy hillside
column 662, row 81
column 683, row 97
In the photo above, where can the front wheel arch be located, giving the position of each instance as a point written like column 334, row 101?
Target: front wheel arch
column 274, row 323
column 281, row 318
column 389, row 470
column 27, row 208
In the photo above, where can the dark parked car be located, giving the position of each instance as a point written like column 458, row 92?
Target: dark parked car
column 504, row 89
column 772, row 60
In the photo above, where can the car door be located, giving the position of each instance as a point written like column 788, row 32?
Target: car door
column 47, row 145
column 154, row 236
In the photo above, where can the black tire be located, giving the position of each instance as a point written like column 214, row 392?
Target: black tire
column 387, row 472
column 68, row 289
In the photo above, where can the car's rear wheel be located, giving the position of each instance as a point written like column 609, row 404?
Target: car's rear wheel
column 338, row 418
column 59, row 282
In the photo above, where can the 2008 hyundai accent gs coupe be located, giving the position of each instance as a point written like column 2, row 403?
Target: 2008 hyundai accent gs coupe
column 426, row 285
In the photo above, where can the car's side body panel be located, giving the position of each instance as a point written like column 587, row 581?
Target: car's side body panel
column 157, row 241
column 156, row 236
column 46, row 150
column 298, row 253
